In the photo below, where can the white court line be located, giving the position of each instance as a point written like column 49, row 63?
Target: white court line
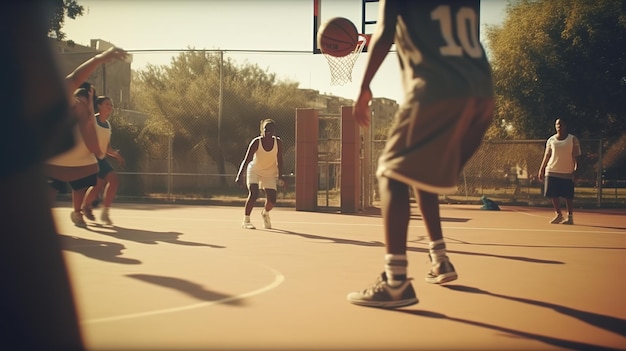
column 568, row 230
column 528, row 214
column 278, row 279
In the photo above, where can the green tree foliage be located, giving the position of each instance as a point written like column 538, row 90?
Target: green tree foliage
column 182, row 100
column 560, row 58
column 61, row 8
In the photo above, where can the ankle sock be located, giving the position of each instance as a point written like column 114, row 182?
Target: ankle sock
column 437, row 251
column 395, row 269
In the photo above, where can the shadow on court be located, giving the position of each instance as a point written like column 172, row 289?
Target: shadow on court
column 187, row 287
column 145, row 236
column 99, row 250
column 568, row 344
column 331, row 240
column 450, row 239
column 609, row 323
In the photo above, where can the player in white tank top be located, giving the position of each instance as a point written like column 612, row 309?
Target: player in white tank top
column 107, row 181
column 263, row 165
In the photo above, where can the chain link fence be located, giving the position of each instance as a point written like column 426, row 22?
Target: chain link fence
column 187, row 125
column 506, row 171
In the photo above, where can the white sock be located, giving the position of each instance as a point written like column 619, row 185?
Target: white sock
column 246, row 218
column 395, row 268
column 437, row 251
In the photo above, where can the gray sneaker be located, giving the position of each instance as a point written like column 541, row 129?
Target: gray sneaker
column 441, row 272
column 569, row 220
column 88, row 212
column 77, row 219
column 382, row 295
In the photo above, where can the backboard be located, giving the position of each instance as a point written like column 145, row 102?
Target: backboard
column 363, row 13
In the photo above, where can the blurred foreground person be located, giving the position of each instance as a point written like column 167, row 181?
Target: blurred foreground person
column 36, row 300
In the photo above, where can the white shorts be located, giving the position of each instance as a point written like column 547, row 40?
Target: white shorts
column 263, row 182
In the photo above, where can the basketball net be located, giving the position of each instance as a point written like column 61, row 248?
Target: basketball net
column 341, row 67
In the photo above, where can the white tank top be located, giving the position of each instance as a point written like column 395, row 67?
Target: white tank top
column 80, row 155
column 77, row 156
column 265, row 163
column 103, row 130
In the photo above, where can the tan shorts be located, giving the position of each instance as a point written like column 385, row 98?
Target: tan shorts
column 428, row 144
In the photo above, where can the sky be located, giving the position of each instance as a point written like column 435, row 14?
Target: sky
column 144, row 26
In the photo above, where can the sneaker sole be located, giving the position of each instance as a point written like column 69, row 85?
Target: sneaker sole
column 385, row 304
column 442, row 278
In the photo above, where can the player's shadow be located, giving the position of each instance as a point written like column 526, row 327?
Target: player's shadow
column 450, row 239
column 413, row 249
column 189, row 288
column 331, row 239
column 100, row 250
column 600, row 226
column 557, row 342
column 145, row 236
column 609, row 323
column 415, row 215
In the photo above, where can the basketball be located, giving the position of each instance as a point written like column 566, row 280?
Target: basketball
column 337, row 37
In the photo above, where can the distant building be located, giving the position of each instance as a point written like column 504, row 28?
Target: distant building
column 111, row 79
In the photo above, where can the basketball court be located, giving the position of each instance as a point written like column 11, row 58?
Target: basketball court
column 188, row 277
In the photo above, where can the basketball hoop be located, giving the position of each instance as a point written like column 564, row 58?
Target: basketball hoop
column 341, row 67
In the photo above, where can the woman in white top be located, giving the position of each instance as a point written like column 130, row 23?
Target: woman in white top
column 558, row 166
column 79, row 165
column 108, row 181
column 263, row 164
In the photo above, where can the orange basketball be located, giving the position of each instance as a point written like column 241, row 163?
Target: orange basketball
column 337, row 37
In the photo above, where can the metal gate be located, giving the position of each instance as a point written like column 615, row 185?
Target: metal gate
column 329, row 162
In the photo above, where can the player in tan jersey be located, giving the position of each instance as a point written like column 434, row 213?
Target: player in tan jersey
column 447, row 109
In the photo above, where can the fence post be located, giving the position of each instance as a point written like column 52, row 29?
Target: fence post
column 599, row 173
column 307, row 134
column 350, row 162
column 170, row 159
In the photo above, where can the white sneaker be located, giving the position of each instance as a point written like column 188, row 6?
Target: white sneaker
column 105, row 218
column 247, row 225
column 267, row 224
column 557, row 219
column 569, row 220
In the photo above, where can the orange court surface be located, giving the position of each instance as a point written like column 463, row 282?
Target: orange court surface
column 188, row 277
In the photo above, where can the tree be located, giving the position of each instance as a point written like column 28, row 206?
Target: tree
column 182, row 100
column 61, row 8
column 560, row 58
